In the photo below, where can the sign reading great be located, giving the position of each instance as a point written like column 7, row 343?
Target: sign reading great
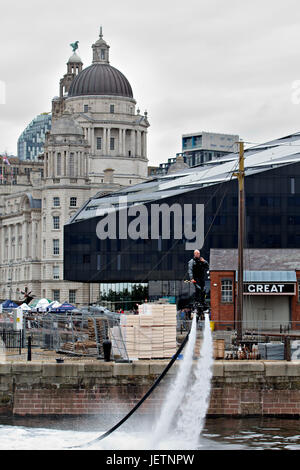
column 269, row 288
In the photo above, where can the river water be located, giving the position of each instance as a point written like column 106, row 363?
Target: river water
column 181, row 424
column 217, row 434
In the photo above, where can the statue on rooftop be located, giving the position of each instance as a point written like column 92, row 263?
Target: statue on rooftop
column 74, row 45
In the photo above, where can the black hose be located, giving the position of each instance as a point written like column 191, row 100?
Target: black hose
column 107, row 433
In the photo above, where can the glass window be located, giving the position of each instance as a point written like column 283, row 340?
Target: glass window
column 55, row 272
column 72, row 296
column 270, row 201
column 112, row 143
column 226, row 290
column 56, row 295
column 56, row 224
column 86, row 259
column 56, row 247
column 112, row 108
column 73, row 201
column 56, row 202
column 292, row 182
column 85, row 108
column 99, row 143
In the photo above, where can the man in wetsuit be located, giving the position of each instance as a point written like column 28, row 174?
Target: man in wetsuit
column 197, row 269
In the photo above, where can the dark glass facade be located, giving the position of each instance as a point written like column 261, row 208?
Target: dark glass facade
column 272, row 220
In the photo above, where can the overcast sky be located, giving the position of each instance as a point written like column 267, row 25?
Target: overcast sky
column 215, row 65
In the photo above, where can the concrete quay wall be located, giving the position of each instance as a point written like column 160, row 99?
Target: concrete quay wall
column 239, row 388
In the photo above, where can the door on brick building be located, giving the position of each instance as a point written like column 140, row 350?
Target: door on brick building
column 266, row 311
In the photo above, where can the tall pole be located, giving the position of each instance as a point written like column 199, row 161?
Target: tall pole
column 240, row 176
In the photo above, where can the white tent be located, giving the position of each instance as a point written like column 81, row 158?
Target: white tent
column 53, row 304
column 42, row 305
column 25, row 307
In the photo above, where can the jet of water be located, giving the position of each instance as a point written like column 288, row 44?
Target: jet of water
column 175, row 394
column 195, row 404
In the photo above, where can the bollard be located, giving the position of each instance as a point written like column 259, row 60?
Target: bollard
column 29, row 349
column 287, row 348
column 107, row 349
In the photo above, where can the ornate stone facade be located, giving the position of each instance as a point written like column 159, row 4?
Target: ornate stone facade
column 97, row 143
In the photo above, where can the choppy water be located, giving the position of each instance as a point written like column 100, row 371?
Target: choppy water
column 217, row 434
column 181, row 425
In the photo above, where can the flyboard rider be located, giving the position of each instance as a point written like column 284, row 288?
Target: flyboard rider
column 197, row 269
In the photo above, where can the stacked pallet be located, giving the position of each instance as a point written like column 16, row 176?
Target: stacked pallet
column 158, row 342
column 129, row 327
column 151, row 333
column 219, row 349
column 144, row 340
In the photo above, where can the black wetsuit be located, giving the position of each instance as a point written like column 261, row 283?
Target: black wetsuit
column 197, row 270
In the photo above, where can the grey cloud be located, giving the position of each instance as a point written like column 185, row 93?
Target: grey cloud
column 223, row 66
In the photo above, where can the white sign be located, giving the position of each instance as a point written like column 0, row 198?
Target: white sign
column 18, row 319
column 269, row 288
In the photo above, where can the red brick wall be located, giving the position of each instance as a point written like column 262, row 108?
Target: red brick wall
column 100, row 400
column 233, row 401
column 222, row 313
column 225, row 400
column 239, row 388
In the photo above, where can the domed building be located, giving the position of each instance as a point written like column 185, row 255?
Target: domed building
column 100, row 99
column 97, row 144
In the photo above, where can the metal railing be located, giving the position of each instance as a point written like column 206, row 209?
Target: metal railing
column 12, row 339
column 80, row 333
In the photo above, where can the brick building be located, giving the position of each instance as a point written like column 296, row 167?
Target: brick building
column 271, row 288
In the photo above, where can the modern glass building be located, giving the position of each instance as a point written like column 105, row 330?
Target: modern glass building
column 144, row 233
column 201, row 147
column 198, row 148
column 31, row 141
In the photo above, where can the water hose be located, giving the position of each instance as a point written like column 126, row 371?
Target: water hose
column 169, row 365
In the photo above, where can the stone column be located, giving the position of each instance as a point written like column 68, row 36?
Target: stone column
column 24, row 240
column 80, row 164
column 139, row 143
column 92, row 141
column 120, row 142
column 48, row 166
column 64, row 163
column 124, row 142
column 17, row 241
column 9, row 242
column 104, row 146
column 132, row 146
column 33, row 247
column 145, row 144
column 108, row 142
